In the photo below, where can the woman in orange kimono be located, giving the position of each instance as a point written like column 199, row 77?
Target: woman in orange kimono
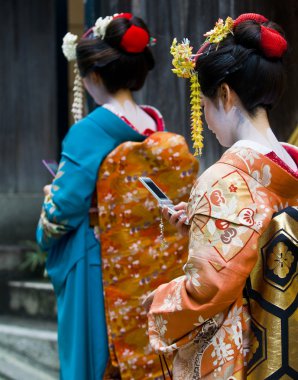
column 233, row 314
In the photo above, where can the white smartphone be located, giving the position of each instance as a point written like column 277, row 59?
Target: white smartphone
column 161, row 197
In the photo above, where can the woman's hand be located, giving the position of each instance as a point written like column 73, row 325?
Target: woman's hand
column 47, row 190
column 175, row 219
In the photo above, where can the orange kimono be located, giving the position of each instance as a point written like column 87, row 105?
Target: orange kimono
column 204, row 316
column 133, row 263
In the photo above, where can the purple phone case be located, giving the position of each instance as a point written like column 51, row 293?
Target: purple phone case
column 51, row 165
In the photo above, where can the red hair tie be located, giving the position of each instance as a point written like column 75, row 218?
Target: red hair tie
column 273, row 44
column 250, row 17
column 135, row 39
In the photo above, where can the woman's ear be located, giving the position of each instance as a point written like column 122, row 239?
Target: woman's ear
column 227, row 96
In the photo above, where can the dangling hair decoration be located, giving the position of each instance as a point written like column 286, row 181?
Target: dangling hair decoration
column 69, row 50
column 78, row 96
column 184, row 64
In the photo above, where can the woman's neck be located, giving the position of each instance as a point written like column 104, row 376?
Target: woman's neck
column 254, row 128
column 258, row 130
column 121, row 97
column 124, row 104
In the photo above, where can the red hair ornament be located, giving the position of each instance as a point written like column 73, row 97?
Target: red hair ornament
column 272, row 42
column 135, row 39
column 250, row 17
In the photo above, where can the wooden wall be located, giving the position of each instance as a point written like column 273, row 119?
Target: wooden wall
column 192, row 18
column 28, row 111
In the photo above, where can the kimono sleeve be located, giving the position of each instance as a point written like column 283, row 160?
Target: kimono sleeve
column 222, row 253
column 68, row 204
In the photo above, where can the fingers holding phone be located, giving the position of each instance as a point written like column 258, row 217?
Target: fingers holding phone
column 181, row 206
column 177, row 217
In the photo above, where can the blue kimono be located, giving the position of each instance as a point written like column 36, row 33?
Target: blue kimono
column 74, row 261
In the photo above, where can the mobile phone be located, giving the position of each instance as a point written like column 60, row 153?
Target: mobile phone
column 51, row 165
column 161, row 197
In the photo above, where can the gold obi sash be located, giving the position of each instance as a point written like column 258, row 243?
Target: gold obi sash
column 133, row 264
column 272, row 291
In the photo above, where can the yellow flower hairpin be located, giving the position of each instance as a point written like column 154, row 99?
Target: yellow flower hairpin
column 220, row 31
column 184, row 65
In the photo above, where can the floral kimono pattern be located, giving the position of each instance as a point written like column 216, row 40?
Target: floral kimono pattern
column 133, row 263
column 202, row 316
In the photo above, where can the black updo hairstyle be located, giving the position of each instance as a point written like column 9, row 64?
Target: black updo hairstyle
column 117, row 68
column 240, row 62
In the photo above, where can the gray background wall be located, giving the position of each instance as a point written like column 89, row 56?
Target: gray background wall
column 29, row 110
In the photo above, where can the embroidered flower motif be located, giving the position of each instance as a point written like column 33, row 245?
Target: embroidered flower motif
column 246, row 217
column 234, row 316
column 173, row 301
column 160, row 324
column 222, row 351
column 192, row 273
column 69, row 46
column 217, row 198
column 233, row 188
column 237, row 335
column 222, row 224
column 263, row 178
column 248, row 155
column 201, row 321
column 228, row 235
column 100, row 27
column 280, row 260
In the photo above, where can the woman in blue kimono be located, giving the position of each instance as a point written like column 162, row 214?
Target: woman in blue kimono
column 113, row 59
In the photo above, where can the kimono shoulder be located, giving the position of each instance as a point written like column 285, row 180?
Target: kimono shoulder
column 86, row 137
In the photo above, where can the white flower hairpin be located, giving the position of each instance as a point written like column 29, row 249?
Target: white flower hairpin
column 100, row 27
column 69, row 46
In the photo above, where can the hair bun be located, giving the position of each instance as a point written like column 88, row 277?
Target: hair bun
column 251, row 32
